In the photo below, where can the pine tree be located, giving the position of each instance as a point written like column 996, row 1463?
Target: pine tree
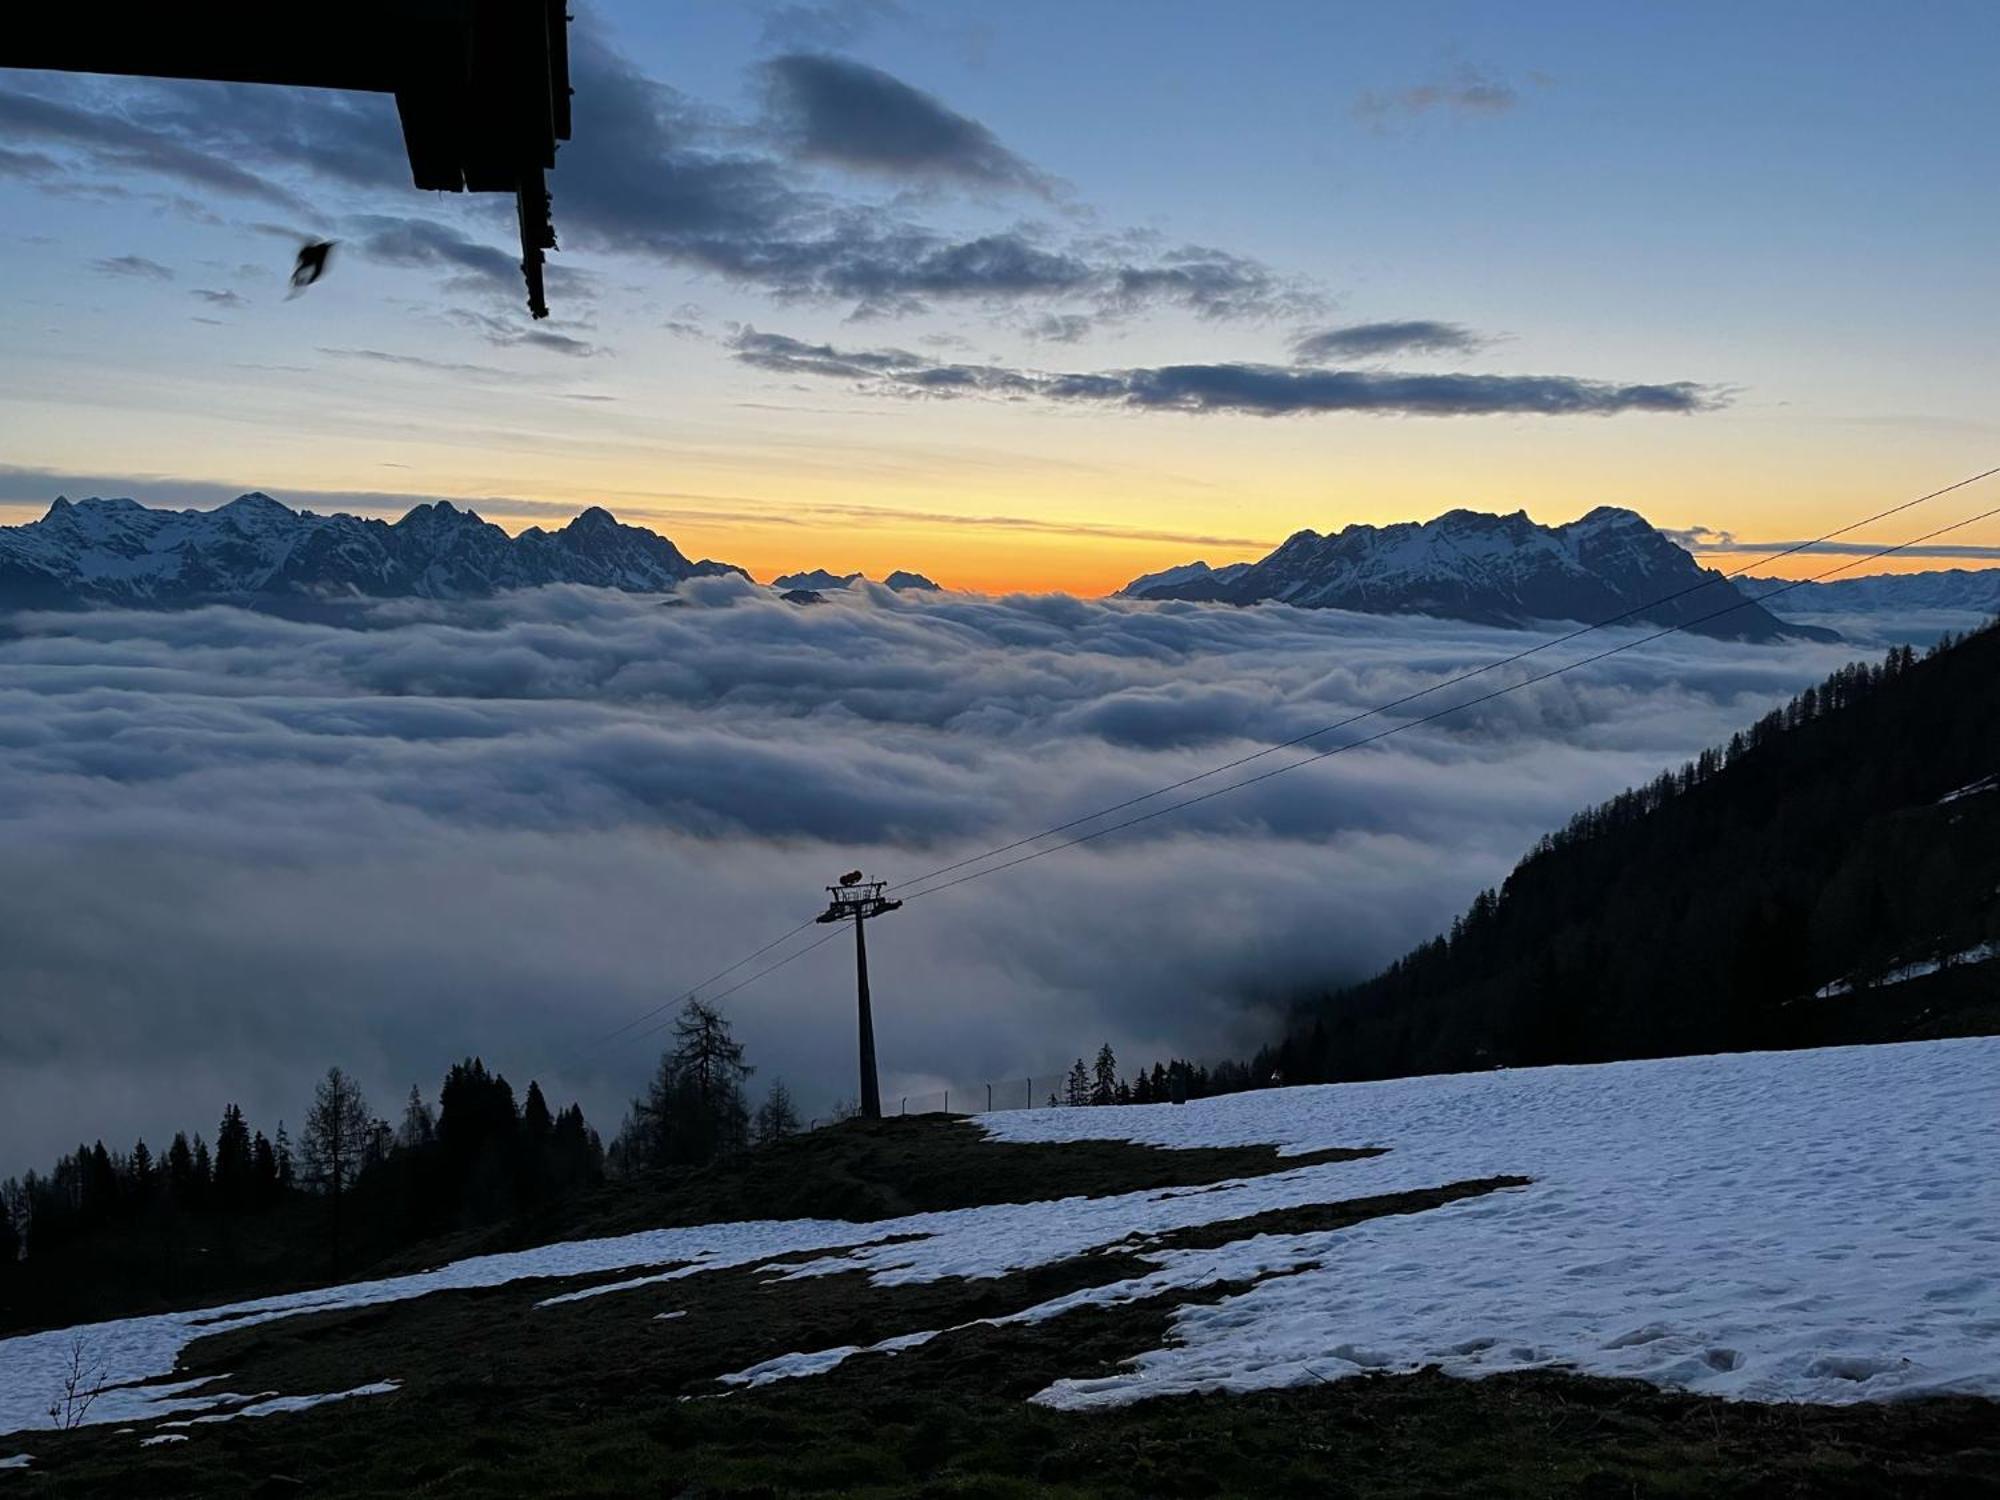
column 1076, row 1091
column 1104, row 1080
column 180, row 1171
column 139, row 1174
column 232, row 1160
column 536, row 1122
column 419, row 1127
column 203, row 1177
column 263, row 1170
column 281, row 1148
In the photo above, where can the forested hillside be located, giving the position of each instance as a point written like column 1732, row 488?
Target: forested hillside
column 1848, row 843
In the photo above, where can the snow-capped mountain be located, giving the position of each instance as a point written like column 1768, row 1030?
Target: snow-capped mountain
column 1156, row 585
column 254, row 548
column 820, row 578
column 1499, row 570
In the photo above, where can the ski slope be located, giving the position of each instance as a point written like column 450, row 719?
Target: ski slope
column 1804, row 1226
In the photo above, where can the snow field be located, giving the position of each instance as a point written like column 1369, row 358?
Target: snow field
column 1804, row 1226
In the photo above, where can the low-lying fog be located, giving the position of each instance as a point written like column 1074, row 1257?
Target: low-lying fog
column 240, row 848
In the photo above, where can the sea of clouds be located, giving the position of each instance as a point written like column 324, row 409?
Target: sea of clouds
column 240, row 847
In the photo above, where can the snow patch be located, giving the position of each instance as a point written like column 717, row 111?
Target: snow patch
column 1979, row 953
column 1796, row 1226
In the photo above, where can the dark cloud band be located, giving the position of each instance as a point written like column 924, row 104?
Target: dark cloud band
column 1249, row 389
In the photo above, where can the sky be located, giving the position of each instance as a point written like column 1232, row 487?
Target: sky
column 1042, row 296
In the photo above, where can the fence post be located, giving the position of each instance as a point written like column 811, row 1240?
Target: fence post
column 947, row 1101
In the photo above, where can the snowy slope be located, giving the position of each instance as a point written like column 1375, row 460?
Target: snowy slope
column 1802, row 1226
column 1182, row 582
column 1499, row 570
column 121, row 552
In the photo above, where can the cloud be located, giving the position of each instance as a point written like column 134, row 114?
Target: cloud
column 654, row 174
column 243, row 847
column 218, row 299
column 835, row 110
column 833, row 24
column 1707, row 539
column 462, row 368
column 1370, row 340
column 135, row 266
column 102, row 138
column 1252, row 389
column 508, row 333
column 398, row 240
column 1467, row 91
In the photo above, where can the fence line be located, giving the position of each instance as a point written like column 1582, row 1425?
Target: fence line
column 1030, row 1091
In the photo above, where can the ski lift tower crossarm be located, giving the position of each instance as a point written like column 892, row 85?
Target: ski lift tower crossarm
column 861, row 900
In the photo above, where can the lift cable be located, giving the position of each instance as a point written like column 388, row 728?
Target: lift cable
column 1764, row 560
column 1448, row 710
column 682, row 996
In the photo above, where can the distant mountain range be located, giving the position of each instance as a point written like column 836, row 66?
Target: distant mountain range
column 1974, row 590
column 254, row 548
column 820, row 578
column 1496, row 570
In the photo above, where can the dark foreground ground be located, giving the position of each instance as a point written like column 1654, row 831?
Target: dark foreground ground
column 598, row 1397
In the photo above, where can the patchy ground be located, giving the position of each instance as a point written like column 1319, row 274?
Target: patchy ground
column 1219, row 1319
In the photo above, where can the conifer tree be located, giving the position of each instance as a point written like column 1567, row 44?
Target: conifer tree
column 1104, row 1080
column 1076, row 1091
column 536, row 1122
column 180, row 1171
column 419, row 1127
column 232, row 1160
column 203, row 1176
column 263, row 1170
column 139, row 1174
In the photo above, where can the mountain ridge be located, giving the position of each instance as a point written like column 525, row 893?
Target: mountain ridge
column 119, row 552
column 1492, row 570
column 815, row 579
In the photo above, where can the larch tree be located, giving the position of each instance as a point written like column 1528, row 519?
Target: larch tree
column 777, row 1117
column 338, row 1132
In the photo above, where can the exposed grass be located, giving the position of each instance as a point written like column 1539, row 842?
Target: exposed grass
column 597, row 1397
column 861, row 1170
column 866, row 1170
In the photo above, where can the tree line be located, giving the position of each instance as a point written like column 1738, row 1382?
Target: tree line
column 252, row 1210
column 1701, row 911
column 106, row 1230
